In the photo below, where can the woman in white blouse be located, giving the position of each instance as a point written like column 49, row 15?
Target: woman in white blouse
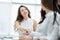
column 49, row 28
column 24, row 24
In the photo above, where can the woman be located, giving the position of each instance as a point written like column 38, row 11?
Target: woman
column 50, row 24
column 24, row 24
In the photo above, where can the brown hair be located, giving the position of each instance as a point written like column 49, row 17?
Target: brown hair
column 51, row 5
column 20, row 17
column 47, row 4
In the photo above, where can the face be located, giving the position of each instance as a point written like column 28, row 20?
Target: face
column 43, row 7
column 24, row 11
column 58, row 2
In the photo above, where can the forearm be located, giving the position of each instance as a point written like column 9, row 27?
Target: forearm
column 18, row 27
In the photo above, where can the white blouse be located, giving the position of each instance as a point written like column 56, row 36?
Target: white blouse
column 28, row 24
column 47, row 29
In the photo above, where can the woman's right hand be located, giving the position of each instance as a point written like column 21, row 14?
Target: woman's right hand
column 26, row 32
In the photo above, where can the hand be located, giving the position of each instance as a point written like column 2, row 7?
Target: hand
column 26, row 32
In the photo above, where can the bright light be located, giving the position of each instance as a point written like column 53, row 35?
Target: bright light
column 5, row 0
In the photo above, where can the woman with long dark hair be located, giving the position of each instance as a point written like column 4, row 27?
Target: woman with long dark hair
column 24, row 24
column 50, row 23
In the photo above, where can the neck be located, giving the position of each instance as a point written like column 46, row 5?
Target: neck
column 25, row 18
column 47, row 10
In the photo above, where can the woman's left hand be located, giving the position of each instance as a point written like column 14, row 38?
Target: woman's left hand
column 27, row 32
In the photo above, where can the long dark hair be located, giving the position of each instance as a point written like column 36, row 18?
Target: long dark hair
column 51, row 5
column 43, row 13
column 20, row 17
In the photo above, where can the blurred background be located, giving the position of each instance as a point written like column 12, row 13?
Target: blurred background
column 8, row 14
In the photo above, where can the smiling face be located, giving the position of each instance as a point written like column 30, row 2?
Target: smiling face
column 24, row 11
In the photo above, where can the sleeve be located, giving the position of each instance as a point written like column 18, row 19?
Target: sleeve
column 59, row 25
column 54, row 35
column 59, row 31
column 43, row 27
column 58, row 20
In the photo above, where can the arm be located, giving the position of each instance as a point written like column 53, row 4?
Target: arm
column 20, row 28
column 34, row 25
column 54, row 34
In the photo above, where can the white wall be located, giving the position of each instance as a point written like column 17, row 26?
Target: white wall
column 28, row 1
column 6, row 27
column 5, row 13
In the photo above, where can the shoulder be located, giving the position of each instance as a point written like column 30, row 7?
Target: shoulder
column 17, row 22
column 51, row 13
column 50, row 16
column 58, row 17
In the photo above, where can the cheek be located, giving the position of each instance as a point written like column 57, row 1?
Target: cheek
column 27, row 12
column 22, row 13
column 43, row 8
column 59, row 2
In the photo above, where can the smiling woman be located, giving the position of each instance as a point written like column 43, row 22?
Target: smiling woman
column 8, row 15
column 24, row 24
